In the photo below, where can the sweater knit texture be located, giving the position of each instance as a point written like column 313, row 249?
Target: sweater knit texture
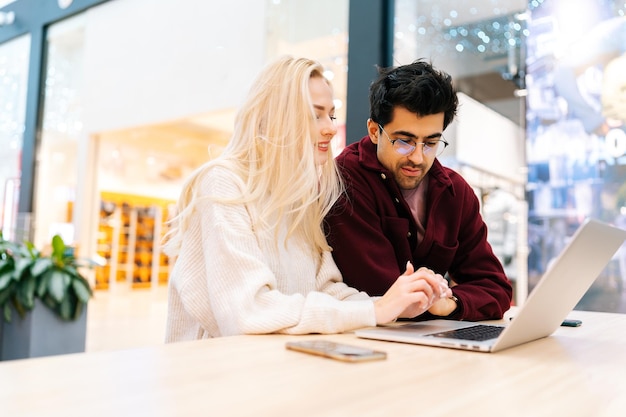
column 230, row 278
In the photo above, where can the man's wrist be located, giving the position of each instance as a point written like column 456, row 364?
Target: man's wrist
column 456, row 302
column 445, row 306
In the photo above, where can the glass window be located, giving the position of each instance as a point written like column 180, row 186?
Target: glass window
column 576, row 134
column 480, row 43
column 316, row 30
column 57, row 172
column 13, row 84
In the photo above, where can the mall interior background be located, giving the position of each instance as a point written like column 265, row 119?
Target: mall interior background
column 137, row 93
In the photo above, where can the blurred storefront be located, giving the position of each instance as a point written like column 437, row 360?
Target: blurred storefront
column 107, row 106
column 122, row 116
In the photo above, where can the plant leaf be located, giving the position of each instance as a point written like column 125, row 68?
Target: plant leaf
column 65, row 309
column 47, row 300
column 40, row 266
column 77, row 310
column 7, row 293
column 7, row 264
column 7, row 313
column 5, row 279
column 21, row 264
column 58, row 285
column 82, row 290
column 70, row 269
column 27, row 292
column 42, row 285
column 58, row 248
column 19, row 307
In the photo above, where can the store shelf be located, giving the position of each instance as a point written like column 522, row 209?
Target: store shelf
column 129, row 239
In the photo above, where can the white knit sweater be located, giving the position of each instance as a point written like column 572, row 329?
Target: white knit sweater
column 229, row 279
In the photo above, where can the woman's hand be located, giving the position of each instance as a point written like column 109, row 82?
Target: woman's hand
column 412, row 294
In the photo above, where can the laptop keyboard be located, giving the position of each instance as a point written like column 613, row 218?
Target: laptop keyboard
column 478, row 332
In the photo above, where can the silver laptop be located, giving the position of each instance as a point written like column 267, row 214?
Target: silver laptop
column 557, row 293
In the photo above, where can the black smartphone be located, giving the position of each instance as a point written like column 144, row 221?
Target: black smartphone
column 339, row 351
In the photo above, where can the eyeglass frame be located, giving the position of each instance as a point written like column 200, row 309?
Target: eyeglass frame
column 424, row 145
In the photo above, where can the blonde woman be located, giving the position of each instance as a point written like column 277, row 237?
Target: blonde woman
column 251, row 254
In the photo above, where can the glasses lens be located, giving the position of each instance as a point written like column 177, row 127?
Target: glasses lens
column 402, row 147
column 439, row 148
column 434, row 148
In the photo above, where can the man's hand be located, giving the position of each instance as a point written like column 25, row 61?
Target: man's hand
column 443, row 307
column 411, row 295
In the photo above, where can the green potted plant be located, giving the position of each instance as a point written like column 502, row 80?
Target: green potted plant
column 49, row 294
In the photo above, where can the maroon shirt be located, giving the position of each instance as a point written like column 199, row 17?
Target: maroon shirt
column 374, row 234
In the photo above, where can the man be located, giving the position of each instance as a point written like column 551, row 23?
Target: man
column 402, row 205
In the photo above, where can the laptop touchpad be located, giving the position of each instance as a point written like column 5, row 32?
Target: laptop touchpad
column 430, row 327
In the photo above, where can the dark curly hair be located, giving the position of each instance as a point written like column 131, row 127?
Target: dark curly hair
column 418, row 87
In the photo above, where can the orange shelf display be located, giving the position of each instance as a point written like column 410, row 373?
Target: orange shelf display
column 129, row 239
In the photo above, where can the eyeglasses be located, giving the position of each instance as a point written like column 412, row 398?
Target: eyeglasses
column 430, row 147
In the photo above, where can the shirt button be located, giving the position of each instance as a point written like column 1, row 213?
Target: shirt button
column 397, row 200
column 408, row 234
column 383, row 176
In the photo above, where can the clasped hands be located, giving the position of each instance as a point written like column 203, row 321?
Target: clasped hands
column 413, row 293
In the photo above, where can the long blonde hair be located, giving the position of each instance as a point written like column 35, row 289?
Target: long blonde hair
column 272, row 151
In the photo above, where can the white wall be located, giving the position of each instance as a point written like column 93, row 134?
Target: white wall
column 150, row 61
column 489, row 141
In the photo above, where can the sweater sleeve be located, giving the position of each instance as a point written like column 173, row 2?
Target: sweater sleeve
column 248, row 286
column 330, row 281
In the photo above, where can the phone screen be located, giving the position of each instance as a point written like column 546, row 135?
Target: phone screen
column 339, row 351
